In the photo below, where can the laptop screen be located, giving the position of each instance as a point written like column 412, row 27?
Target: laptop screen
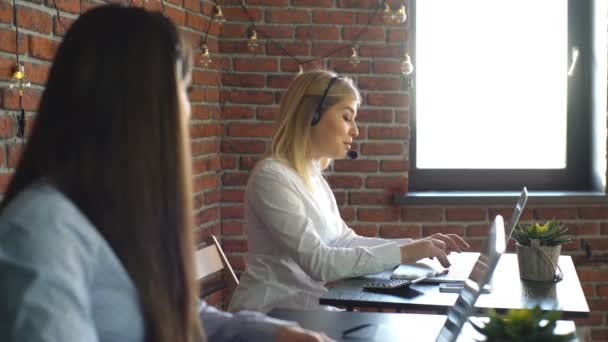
column 480, row 276
column 519, row 208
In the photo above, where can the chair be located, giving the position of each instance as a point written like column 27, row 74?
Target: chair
column 213, row 271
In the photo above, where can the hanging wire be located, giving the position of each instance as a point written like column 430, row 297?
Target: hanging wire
column 59, row 17
column 21, row 119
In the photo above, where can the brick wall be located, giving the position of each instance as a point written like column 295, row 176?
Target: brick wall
column 236, row 99
column 252, row 86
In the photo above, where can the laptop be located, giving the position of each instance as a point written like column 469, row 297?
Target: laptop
column 462, row 263
column 482, row 272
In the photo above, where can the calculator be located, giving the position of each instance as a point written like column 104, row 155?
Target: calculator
column 389, row 284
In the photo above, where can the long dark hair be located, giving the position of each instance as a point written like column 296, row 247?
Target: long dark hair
column 109, row 134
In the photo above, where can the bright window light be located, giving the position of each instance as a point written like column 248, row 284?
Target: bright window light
column 491, row 84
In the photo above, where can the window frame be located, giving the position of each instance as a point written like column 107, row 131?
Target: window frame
column 584, row 92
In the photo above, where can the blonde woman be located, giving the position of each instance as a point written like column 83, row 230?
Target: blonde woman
column 297, row 239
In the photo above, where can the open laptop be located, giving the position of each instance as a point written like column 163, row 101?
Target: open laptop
column 462, row 263
column 482, row 272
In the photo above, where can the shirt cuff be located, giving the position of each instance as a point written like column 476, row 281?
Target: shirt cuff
column 389, row 254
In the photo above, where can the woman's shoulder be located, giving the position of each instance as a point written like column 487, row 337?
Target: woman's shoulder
column 273, row 167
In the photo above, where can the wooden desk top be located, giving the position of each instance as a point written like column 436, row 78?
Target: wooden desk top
column 384, row 326
column 508, row 292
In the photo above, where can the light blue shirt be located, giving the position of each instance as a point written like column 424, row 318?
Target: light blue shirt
column 61, row 281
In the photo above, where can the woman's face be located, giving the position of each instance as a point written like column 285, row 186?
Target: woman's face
column 333, row 136
column 182, row 93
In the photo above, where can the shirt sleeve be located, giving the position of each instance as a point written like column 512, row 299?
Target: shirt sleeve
column 240, row 326
column 349, row 238
column 44, row 294
column 281, row 210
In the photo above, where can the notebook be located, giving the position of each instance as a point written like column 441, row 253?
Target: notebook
column 462, row 263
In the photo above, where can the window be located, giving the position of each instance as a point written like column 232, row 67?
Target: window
column 508, row 93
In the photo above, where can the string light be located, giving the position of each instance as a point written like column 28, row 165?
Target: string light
column 300, row 70
column 407, row 68
column 218, row 16
column 205, row 55
column 252, row 39
column 19, row 80
column 387, row 14
column 354, row 57
column 400, row 16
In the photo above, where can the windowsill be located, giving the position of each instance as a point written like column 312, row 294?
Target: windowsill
column 501, row 197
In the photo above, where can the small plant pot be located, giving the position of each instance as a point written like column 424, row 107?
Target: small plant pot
column 536, row 265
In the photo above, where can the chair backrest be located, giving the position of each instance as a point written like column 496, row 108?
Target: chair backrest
column 213, row 271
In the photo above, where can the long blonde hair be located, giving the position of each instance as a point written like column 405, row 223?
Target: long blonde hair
column 291, row 140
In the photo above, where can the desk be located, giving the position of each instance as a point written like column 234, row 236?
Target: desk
column 508, row 292
column 386, row 326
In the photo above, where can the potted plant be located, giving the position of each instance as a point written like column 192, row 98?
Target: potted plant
column 538, row 248
column 522, row 325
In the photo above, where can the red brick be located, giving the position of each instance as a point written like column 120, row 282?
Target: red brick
column 230, row 246
column 583, row 228
column 280, row 81
column 318, row 33
column 61, row 25
column 376, row 83
column 275, row 31
column 6, row 12
column 290, row 65
column 243, row 146
column 387, row 99
column 204, row 130
column 362, row 33
column 598, row 304
column 196, row 21
column 387, row 67
column 598, row 212
column 7, row 42
column 333, row 17
column 193, row 5
column 42, row 48
column 236, row 112
column 204, row 77
column 394, row 184
column 237, row 14
column 267, row 113
column 237, row 262
column 345, row 66
column 36, row 73
column 599, row 335
column 251, row 97
column 256, row 64
column 253, row 130
column 392, row 133
column 369, row 4
column 294, row 49
column 205, row 182
column 480, row 230
column 355, row 165
column 447, row 229
column 394, row 165
column 370, row 198
column 228, row 162
column 247, row 163
column 466, row 214
column 206, row 164
column 586, row 274
column 204, row 112
column 203, row 147
column 400, row 231
column 232, row 195
column 232, row 228
column 312, row 3
column 243, row 80
column 268, row 2
column 33, row 19
column 602, row 290
column 5, row 178
column 31, row 98
column 375, row 115
column 212, row 197
column 290, row 16
column 324, row 49
column 178, row 16
column 378, row 215
column 557, row 213
column 235, row 179
column 8, row 127
column 368, row 230
column 344, row 181
column 382, row 148
column 347, row 213
column 414, row 214
column 232, row 211
column 371, row 18
column 595, row 319
column 208, row 215
column 72, row 6
column 598, row 244
column 402, row 116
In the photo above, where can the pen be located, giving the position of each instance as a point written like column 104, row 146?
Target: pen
column 355, row 328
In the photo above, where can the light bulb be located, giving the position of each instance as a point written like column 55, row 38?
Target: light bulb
column 218, row 15
column 387, row 14
column 400, row 15
column 354, row 58
column 205, row 55
column 252, row 39
column 406, row 65
column 300, row 70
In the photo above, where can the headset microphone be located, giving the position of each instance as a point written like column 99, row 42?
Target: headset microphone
column 352, row 154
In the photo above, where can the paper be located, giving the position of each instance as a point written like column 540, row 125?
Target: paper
column 415, row 271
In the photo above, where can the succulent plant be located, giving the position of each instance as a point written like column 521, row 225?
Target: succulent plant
column 551, row 233
column 523, row 325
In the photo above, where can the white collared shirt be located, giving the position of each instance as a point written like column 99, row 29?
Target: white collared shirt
column 298, row 241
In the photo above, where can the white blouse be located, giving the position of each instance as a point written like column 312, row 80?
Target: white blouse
column 298, row 241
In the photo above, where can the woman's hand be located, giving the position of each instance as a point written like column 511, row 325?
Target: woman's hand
column 434, row 246
column 291, row 333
